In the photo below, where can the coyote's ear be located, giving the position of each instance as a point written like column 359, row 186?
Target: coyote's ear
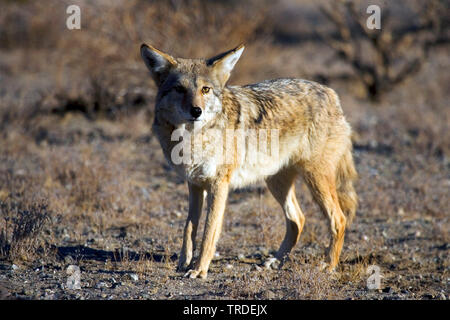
column 225, row 62
column 158, row 62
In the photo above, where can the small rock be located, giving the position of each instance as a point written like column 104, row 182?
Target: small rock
column 228, row 266
column 14, row 267
column 274, row 263
column 177, row 214
column 134, row 276
column 28, row 292
column 257, row 268
column 442, row 296
column 365, row 238
column 20, row 172
column 101, row 285
column 68, row 259
column 217, row 255
column 264, row 251
column 241, row 257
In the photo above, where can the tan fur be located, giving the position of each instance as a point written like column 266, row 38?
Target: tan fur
column 313, row 135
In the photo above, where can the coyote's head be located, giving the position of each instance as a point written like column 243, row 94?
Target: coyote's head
column 189, row 90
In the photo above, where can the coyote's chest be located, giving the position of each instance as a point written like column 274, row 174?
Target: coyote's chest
column 199, row 157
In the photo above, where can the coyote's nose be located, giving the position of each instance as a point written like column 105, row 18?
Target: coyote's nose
column 196, row 112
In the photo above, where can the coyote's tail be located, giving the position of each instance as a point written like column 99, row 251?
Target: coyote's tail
column 346, row 175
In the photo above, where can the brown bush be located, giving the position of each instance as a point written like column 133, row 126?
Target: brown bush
column 97, row 70
column 20, row 229
column 384, row 58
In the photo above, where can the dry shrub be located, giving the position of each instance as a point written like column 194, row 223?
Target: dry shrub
column 92, row 185
column 20, row 229
column 383, row 58
column 97, row 70
column 297, row 281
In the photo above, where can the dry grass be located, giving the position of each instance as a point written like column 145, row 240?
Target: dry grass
column 19, row 234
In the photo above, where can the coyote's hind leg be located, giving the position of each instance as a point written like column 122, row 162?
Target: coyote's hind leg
column 322, row 183
column 282, row 187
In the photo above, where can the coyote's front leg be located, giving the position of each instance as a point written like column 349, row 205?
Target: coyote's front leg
column 216, row 199
column 190, row 230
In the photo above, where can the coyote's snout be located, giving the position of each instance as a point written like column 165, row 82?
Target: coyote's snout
column 304, row 129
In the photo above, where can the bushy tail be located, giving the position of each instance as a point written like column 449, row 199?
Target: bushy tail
column 346, row 175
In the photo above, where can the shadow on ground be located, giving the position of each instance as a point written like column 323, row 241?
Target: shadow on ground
column 85, row 253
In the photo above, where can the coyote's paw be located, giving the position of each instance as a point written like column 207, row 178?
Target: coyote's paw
column 272, row 263
column 194, row 273
column 326, row 267
column 182, row 266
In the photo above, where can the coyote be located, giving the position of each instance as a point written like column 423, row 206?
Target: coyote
column 313, row 141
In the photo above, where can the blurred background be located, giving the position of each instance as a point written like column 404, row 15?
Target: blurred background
column 83, row 181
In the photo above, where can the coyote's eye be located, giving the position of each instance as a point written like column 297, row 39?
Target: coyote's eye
column 205, row 90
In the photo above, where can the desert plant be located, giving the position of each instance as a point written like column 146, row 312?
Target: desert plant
column 20, row 228
column 392, row 55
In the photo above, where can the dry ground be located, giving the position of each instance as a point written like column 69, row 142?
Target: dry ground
column 83, row 181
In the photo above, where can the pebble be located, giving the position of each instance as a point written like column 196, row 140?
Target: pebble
column 28, row 292
column 178, row 214
column 228, row 266
column 68, row 259
column 14, row 267
column 241, row 257
column 100, row 285
column 134, row 277
column 257, row 268
column 264, row 251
